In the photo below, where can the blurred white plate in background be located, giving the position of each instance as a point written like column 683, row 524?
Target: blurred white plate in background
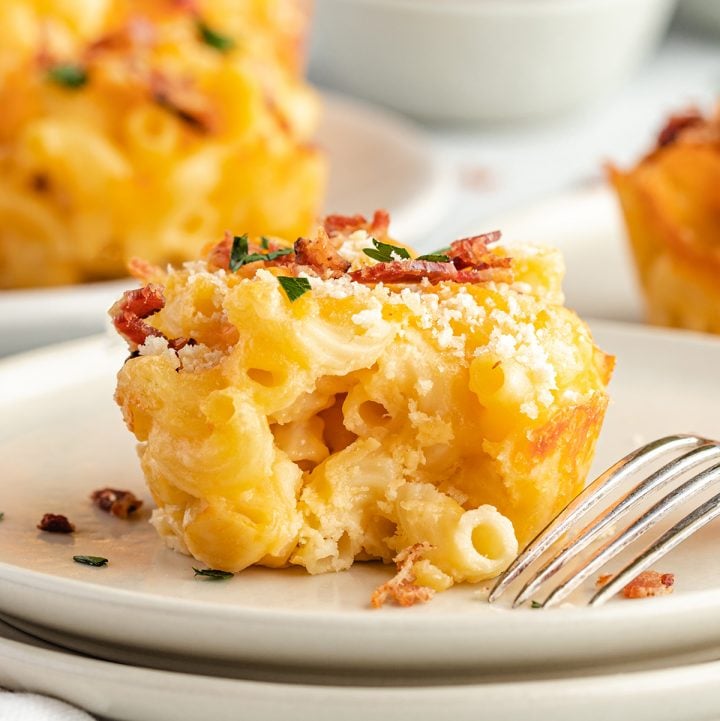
column 377, row 160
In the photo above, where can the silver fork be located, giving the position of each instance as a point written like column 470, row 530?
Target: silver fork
column 695, row 451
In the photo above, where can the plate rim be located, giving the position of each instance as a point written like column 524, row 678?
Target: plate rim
column 43, row 669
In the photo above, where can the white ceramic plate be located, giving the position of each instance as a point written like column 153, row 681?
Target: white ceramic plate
column 377, row 160
column 128, row 693
column 61, row 437
column 586, row 225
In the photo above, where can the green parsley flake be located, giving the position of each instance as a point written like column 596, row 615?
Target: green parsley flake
column 435, row 257
column 240, row 253
column 264, row 243
column 96, row 561
column 267, row 256
column 219, row 41
column 386, row 253
column 536, row 604
column 294, row 287
column 68, row 75
column 213, row 574
column 2, row 515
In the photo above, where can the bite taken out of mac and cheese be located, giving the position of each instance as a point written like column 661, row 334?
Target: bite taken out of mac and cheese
column 339, row 400
column 144, row 127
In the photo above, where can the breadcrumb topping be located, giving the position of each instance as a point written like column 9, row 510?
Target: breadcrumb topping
column 433, row 308
column 402, row 588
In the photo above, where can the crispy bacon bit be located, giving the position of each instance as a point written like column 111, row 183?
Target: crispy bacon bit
column 603, row 579
column 470, row 259
column 184, row 100
column 473, row 252
column 129, row 314
column 345, row 224
column 218, row 258
column 401, row 588
column 380, row 223
column 55, row 523
column 405, row 271
column 675, row 126
column 648, row 583
column 414, row 271
column 471, row 262
column 321, row 255
column 118, row 503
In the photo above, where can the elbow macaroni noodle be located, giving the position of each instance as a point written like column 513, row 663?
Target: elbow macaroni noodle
column 167, row 141
column 360, row 420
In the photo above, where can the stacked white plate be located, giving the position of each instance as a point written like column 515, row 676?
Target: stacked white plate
column 144, row 639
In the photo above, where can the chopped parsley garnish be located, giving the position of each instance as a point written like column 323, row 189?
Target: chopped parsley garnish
column 268, row 256
column 386, row 253
column 536, row 604
column 435, row 257
column 213, row 38
column 213, row 573
column 68, row 75
column 294, row 287
column 240, row 254
column 96, row 561
column 2, row 515
column 264, row 243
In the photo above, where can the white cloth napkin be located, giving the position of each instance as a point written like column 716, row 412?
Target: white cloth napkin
column 32, row 707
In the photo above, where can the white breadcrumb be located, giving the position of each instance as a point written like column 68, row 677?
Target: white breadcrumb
column 158, row 346
column 199, row 357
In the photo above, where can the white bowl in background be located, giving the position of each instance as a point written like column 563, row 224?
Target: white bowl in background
column 471, row 60
column 700, row 14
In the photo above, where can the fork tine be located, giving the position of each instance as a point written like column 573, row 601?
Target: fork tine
column 682, row 530
column 688, row 489
column 587, row 499
column 669, row 472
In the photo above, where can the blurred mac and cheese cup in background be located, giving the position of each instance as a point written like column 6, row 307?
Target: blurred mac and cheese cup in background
column 476, row 60
column 143, row 128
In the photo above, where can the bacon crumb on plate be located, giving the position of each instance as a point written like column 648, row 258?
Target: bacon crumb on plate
column 647, row 584
column 55, row 523
column 401, row 588
column 116, row 502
